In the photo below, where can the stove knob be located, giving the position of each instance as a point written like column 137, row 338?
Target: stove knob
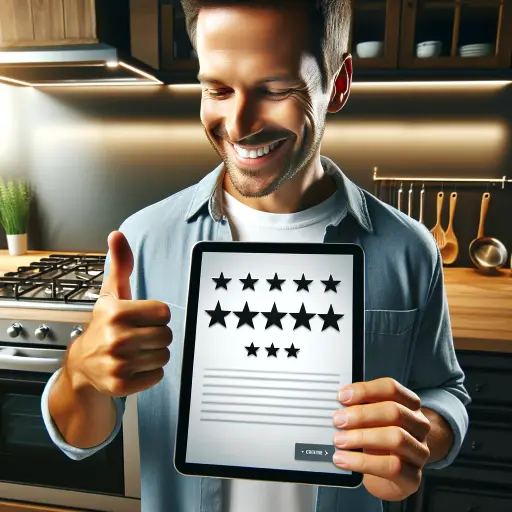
column 41, row 332
column 76, row 332
column 14, row 330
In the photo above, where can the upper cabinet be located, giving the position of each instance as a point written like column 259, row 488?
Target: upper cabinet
column 374, row 36
column 401, row 36
column 456, row 34
column 26, row 23
column 180, row 56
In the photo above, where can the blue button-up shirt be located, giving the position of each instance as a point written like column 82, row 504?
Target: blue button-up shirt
column 407, row 328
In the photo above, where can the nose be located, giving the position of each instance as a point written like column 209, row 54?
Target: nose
column 243, row 119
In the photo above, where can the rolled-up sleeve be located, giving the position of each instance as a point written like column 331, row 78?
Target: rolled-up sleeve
column 72, row 451
column 436, row 376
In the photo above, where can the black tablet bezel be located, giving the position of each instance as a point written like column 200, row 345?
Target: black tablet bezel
column 245, row 472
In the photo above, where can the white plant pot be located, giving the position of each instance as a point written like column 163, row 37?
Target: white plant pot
column 17, row 244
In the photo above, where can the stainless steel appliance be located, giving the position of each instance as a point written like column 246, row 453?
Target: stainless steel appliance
column 43, row 306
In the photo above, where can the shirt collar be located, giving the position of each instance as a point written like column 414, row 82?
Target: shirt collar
column 209, row 191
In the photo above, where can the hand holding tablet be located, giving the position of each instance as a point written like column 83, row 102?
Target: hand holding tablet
column 273, row 331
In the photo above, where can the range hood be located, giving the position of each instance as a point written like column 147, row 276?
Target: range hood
column 82, row 42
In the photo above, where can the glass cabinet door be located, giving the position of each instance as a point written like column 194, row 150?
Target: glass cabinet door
column 177, row 52
column 374, row 34
column 456, row 34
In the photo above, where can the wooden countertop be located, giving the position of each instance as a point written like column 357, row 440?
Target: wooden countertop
column 480, row 305
column 480, row 309
column 8, row 506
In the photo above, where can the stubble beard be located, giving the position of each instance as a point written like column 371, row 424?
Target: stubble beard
column 245, row 181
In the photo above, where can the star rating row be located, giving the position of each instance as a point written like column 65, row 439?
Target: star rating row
column 276, row 283
column 272, row 351
column 274, row 317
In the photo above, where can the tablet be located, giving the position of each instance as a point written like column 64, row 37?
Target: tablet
column 272, row 332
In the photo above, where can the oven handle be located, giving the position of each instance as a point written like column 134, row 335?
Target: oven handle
column 30, row 364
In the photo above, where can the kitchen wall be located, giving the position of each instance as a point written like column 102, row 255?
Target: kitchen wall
column 96, row 155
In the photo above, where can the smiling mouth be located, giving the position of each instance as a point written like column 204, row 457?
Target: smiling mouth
column 257, row 152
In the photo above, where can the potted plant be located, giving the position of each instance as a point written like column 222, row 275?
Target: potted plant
column 15, row 199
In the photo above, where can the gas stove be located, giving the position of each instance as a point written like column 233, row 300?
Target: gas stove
column 44, row 306
column 48, row 302
column 59, row 281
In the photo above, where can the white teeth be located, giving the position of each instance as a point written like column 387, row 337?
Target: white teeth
column 255, row 153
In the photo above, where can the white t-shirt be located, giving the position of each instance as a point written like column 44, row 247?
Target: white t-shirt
column 248, row 224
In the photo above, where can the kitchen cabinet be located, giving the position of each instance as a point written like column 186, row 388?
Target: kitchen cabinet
column 480, row 478
column 397, row 26
column 375, row 21
column 457, row 25
column 35, row 23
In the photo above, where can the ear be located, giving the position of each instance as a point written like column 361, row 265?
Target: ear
column 342, row 84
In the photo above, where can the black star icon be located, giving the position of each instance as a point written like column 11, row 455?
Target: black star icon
column 273, row 317
column 218, row 315
column 249, row 282
column 245, row 316
column 303, row 283
column 275, row 283
column 251, row 351
column 331, row 284
column 221, row 281
column 292, row 351
column 272, row 351
column 330, row 319
column 302, row 318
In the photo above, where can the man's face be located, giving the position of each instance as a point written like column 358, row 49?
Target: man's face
column 239, row 48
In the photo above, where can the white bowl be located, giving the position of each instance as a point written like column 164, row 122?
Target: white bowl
column 429, row 43
column 370, row 49
column 428, row 49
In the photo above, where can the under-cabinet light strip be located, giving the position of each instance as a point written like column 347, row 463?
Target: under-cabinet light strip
column 150, row 80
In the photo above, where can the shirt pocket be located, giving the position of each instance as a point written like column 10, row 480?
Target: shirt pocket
column 388, row 338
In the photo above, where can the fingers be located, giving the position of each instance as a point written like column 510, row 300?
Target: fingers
column 383, row 414
column 145, row 313
column 140, row 339
column 384, row 440
column 117, row 283
column 380, row 390
column 126, row 368
column 406, row 476
column 151, row 360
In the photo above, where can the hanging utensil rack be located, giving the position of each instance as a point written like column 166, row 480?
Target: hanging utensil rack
column 404, row 179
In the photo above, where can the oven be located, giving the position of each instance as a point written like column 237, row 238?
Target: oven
column 41, row 311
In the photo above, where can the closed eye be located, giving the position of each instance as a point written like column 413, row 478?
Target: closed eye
column 280, row 94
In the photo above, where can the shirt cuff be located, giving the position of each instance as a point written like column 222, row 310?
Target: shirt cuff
column 454, row 412
column 72, row 451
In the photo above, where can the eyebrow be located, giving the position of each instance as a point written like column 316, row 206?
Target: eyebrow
column 203, row 78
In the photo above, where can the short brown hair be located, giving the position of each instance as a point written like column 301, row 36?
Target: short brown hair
column 329, row 21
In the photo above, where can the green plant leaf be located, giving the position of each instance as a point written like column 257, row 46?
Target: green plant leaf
column 15, row 200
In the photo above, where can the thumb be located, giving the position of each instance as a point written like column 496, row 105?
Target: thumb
column 117, row 283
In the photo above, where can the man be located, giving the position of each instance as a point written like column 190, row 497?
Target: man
column 270, row 72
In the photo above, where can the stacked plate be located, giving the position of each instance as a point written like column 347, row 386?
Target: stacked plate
column 476, row 50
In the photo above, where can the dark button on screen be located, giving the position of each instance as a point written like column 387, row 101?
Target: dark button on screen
column 321, row 452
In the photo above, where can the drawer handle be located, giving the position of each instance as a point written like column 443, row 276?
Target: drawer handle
column 479, row 387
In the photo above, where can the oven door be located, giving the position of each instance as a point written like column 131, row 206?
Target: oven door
column 27, row 454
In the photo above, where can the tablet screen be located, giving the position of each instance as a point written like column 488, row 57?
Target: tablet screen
column 273, row 344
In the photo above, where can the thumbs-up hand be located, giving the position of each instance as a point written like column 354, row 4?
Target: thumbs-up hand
column 125, row 346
